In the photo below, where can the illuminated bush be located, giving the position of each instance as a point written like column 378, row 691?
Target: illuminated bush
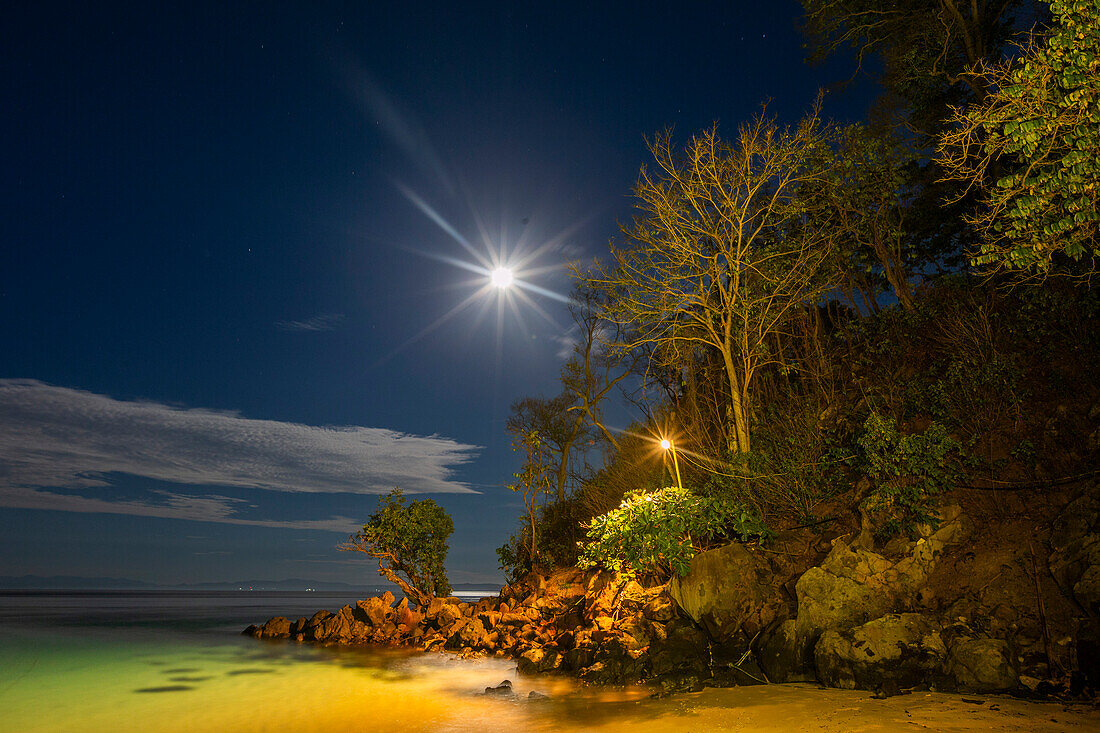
column 657, row 533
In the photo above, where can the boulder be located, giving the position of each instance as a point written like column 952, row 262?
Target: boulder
column 787, row 656
column 468, row 633
column 635, row 632
column 684, row 650
column 489, row 619
column 504, row 689
column 276, row 627
column 660, row 607
column 898, row 650
column 334, row 627
column 538, row 659
column 854, row 585
column 513, row 619
column 727, row 591
column 374, row 611
column 981, row 665
column 312, row 629
column 1075, row 560
column 845, row 590
column 578, row 658
column 446, row 616
column 402, row 614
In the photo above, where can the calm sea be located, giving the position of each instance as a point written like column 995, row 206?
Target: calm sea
column 92, row 662
column 175, row 661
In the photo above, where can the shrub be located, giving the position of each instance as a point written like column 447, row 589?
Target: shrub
column 657, row 533
column 907, row 471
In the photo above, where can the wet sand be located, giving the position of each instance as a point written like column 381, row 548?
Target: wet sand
column 807, row 707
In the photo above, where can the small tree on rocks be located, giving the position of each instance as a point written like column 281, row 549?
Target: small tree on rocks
column 410, row 543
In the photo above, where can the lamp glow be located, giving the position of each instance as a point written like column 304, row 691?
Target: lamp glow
column 501, row 277
column 666, row 444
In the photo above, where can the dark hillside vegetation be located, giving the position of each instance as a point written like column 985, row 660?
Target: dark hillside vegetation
column 848, row 335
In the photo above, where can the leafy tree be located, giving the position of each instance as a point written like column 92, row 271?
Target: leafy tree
column 410, row 544
column 908, row 472
column 867, row 196
column 558, row 430
column 660, row 531
column 928, row 48
column 595, row 368
column 715, row 258
column 1032, row 148
column 533, row 481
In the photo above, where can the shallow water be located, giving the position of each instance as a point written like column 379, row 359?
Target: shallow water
column 176, row 662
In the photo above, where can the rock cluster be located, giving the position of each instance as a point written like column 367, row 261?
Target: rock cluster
column 856, row 621
column 603, row 627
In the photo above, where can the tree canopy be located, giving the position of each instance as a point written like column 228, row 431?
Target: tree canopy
column 928, row 48
column 1032, row 148
column 718, row 257
column 410, row 543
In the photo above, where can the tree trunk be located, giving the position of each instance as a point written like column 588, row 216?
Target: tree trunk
column 737, row 409
column 566, row 448
column 534, row 547
column 416, row 596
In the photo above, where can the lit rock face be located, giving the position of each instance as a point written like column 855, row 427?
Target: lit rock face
column 600, row 626
column 903, row 649
column 981, row 665
column 855, row 585
column 852, row 586
column 727, row 591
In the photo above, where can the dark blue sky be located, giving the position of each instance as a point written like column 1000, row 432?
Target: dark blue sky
column 212, row 250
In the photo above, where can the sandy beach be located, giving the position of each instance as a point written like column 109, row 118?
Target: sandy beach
column 808, row 707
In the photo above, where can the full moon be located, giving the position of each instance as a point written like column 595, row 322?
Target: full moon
column 501, row 277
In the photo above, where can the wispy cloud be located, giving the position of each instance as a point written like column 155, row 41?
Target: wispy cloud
column 163, row 505
column 59, row 438
column 322, row 322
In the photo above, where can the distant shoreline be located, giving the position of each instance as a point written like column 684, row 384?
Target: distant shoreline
column 295, row 585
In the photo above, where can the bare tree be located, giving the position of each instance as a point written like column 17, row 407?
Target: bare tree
column 718, row 256
column 559, row 430
column 596, row 368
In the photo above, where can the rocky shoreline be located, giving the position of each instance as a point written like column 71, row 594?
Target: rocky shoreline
column 855, row 618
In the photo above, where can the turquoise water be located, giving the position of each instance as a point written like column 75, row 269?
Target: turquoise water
column 177, row 662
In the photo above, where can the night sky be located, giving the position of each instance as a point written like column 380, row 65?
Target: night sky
column 242, row 283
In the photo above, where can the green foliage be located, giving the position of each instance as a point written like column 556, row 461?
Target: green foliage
column 559, row 528
column 867, row 195
column 925, row 47
column 1033, row 147
column 792, row 469
column 512, row 559
column 660, row 531
column 408, row 539
column 908, row 472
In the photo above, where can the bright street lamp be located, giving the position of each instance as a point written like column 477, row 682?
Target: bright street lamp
column 666, row 444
